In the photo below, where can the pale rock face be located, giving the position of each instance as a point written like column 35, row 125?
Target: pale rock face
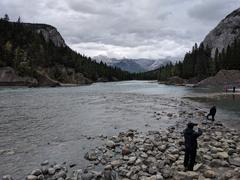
column 52, row 34
column 9, row 76
column 224, row 33
column 49, row 33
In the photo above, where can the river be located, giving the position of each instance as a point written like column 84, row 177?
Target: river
column 61, row 124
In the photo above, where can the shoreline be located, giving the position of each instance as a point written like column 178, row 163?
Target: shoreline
column 155, row 155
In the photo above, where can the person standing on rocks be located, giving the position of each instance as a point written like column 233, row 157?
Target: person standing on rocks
column 234, row 89
column 212, row 113
column 190, row 136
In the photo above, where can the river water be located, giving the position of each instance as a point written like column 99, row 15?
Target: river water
column 62, row 124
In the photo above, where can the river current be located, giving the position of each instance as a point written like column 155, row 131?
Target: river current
column 61, row 124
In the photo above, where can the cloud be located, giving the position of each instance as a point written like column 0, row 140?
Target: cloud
column 126, row 28
column 155, row 50
column 214, row 10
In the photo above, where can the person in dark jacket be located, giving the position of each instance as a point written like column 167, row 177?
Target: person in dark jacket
column 234, row 89
column 190, row 137
column 212, row 113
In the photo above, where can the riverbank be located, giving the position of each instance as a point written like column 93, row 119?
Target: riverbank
column 63, row 124
column 156, row 154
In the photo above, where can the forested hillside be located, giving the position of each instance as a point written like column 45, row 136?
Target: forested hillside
column 199, row 64
column 27, row 51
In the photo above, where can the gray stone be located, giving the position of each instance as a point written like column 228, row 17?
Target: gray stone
column 210, row 174
column 189, row 175
column 31, row 177
column 87, row 176
column 197, row 166
column 152, row 170
column 216, row 163
column 110, row 144
column 7, row 177
column 162, row 148
column 44, row 170
column 57, row 167
column 40, row 177
column 235, row 161
column 91, row 156
column 138, row 161
column 36, row 172
column 222, row 155
column 108, row 167
column 171, row 157
column 44, row 163
column 60, row 178
column 159, row 176
column 61, row 174
column 51, row 171
column 116, row 163
column 167, row 172
column 131, row 160
column 143, row 155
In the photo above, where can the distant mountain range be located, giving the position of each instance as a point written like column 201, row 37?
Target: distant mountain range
column 133, row 65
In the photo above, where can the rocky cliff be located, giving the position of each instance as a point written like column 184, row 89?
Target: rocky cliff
column 49, row 33
column 8, row 77
column 224, row 33
column 42, row 77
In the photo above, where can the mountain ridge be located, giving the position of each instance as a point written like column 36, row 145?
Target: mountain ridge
column 224, row 34
column 133, row 65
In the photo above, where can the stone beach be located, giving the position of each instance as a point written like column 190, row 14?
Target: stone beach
column 155, row 155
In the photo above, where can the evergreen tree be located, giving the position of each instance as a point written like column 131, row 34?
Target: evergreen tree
column 6, row 17
column 19, row 20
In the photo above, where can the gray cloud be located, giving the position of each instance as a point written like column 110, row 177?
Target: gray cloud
column 214, row 10
column 126, row 28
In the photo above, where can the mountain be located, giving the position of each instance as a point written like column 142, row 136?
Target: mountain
column 224, row 33
column 128, row 65
column 104, row 59
column 37, row 55
column 133, row 65
column 48, row 32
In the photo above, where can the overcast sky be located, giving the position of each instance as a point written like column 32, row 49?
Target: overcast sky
column 125, row 28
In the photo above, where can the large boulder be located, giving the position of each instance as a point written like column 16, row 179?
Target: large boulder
column 9, row 77
column 45, row 80
column 221, row 79
column 66, row 75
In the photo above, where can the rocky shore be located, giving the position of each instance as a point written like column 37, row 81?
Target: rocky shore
column 42, row 78
column 155, row 155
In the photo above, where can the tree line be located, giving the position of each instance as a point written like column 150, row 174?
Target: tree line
column 199, row 64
